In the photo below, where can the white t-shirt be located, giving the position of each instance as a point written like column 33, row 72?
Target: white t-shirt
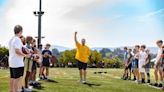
column 15, row 60
column 158, row 55
column 142, row 57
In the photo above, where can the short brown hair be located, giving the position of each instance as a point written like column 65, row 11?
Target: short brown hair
column 130, row 49
column 159, row 41
column 143, row 46
column 29, row 39
column 137, row 46
column 48, row 44
column 18, row 29
column 125, row 48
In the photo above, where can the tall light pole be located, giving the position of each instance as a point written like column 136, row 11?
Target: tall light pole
column 39, row 14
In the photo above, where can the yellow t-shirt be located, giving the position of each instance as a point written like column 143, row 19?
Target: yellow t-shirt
column 82, row 53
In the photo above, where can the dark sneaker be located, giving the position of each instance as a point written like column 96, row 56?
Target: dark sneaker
column 37, row 83
column 31, row 84
column 156, row 84
column 134, row 79
column 143, row 81
column 160, row 85
column 148, row 81
column 45, row 78
column 125, row 78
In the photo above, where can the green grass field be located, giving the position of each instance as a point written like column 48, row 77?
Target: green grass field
column 66, row 80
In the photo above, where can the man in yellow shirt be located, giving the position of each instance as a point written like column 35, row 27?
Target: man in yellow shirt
column 82, row 55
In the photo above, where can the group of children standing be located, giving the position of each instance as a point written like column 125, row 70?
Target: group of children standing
column 38, row 57
column 137, row 62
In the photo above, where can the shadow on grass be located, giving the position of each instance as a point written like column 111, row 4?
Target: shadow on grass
column 51, row 81
column 100, row 72
column 91, row 84
column 34, row 91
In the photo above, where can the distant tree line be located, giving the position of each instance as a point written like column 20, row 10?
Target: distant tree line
column 105, row 58
column 4, row 57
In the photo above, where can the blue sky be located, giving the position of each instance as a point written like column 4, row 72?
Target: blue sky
column 104, row 23
column 1, row 2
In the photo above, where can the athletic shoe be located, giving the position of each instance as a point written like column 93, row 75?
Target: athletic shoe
column 20, row 90
column 125, row 78
column 45, row 78
column 148, row 81
column 40, row 78
column 37, row 83
column 156, row 84
column 27, row 90
column 143, row 82
column 129, row 78
column 37, row 79
column 134, row 79
column 83, row 81
column 160, row 85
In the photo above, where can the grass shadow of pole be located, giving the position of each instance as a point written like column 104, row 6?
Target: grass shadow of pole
column 91, row 84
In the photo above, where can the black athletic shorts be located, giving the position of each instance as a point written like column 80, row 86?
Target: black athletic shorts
column 16, row 72
column 34, row 65
column 45, row 63
column 82, row 65
column 130, row 66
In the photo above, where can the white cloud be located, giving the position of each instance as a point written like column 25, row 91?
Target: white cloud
column 61, row 19
column 57, row 24
column 151, row 15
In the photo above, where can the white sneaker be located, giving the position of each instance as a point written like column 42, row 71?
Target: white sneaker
column 30, row 87
column 84, row 81
column 27, row 90
column 19, row 90
column 38, row 79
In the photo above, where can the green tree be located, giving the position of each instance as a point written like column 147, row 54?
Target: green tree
column 104, row 51
column 3, row 52
column 68, row 56
column 55, row 52
column 96, row 56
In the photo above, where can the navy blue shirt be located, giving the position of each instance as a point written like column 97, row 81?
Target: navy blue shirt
column 149, row 60
column 46, row 59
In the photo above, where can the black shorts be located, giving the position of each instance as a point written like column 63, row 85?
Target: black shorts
column 45, row 63
column 16, row 72
column 130, row 66
column 34, row 65
column 82, row 65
